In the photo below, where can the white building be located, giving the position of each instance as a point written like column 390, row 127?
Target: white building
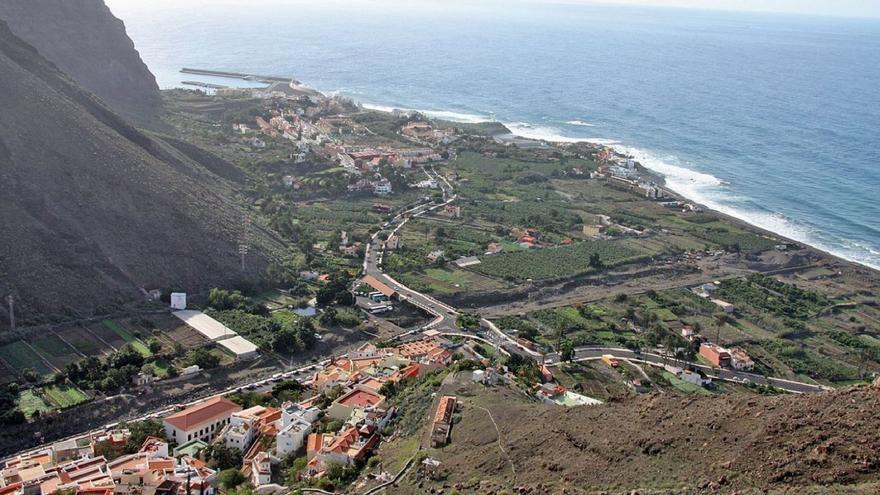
column 261, row 470
column 240, row 432
column 292, row 412
column 292, row 437
column 178, row 300
column 382, row 187
column 724, row 305
column 693, row 377
column 202, row 421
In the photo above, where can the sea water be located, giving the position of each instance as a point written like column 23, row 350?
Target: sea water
column 773, row 119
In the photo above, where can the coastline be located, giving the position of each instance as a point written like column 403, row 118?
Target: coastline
column 522, row 133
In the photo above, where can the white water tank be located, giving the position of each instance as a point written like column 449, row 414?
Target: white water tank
column 178, row 300
column 478, row 376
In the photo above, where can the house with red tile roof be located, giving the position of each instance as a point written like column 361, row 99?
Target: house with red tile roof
column 348, row 447
column 441, row 423
column 359, row 397
column 202, row 421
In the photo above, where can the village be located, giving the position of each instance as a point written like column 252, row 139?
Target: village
column 452, row 245
column 340, row 424
column 228, row 441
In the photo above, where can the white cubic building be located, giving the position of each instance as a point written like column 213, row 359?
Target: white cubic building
column 178, row 300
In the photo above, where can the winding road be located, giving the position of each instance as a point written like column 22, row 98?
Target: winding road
column 446, row 315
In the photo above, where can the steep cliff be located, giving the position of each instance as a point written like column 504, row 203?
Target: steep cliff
column 86, row 41
column 93, row 210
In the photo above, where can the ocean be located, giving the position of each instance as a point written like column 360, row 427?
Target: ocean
column 774, row 119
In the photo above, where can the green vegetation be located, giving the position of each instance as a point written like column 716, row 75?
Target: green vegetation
column 683, row 386
column 64, row 396
column 557, row 262
column 130, row 339
column 283, row 331
column 108, row 374
column 30, row 404
column 772, row 296
column 20, row 356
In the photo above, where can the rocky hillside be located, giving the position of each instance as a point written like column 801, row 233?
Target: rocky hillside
column 86, row 41
column 822, row 443
column 93, row 210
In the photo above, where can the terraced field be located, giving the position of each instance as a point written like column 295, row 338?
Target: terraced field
column 64, row 396
column 84, row 342
column 128, row 337
column 55, row 350
column 19, row 356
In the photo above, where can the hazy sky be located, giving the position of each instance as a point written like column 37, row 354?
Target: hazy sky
column 856, row 8
column 851, row 8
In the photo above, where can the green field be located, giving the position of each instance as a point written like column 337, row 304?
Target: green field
column 556, row 262
column 64, row 396
column 136, row 343
column 448, row 280
column 29, row 402
column 19, row 356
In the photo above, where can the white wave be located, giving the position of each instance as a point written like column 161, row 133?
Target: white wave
column 580, row 123
column 714, row 193
column 543, row 133
column 466, row 118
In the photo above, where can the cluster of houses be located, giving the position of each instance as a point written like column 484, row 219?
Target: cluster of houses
column 721, row 357
column 623, row 172
column 97, row 465
column 424, row 131
column 359, row 160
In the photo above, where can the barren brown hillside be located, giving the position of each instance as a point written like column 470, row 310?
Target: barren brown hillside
column 824, row 443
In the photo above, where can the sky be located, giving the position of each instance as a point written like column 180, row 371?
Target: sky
column 849, row 8
column 846, row 8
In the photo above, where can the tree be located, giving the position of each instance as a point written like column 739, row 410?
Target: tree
column 202, row 358
column 140, row 430
column 285, row 341
column 566, row 351
column 30, row 375
column 231, row 478
column 154, row 345
column 222, row 457
column 595, row 261
column 334, row 426
column 9, row 413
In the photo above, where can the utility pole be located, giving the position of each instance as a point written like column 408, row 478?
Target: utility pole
column 11, row 302
column 244, row 243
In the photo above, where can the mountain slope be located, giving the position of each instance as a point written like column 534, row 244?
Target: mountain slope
column 815, row 443
column 93, row 210
column 87, row 42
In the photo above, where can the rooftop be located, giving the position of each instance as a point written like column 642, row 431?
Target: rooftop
column 359, row 398
column 379, row 286
column 202, row 412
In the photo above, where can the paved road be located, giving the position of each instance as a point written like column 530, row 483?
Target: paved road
column 586, row 353
column 444, row 315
